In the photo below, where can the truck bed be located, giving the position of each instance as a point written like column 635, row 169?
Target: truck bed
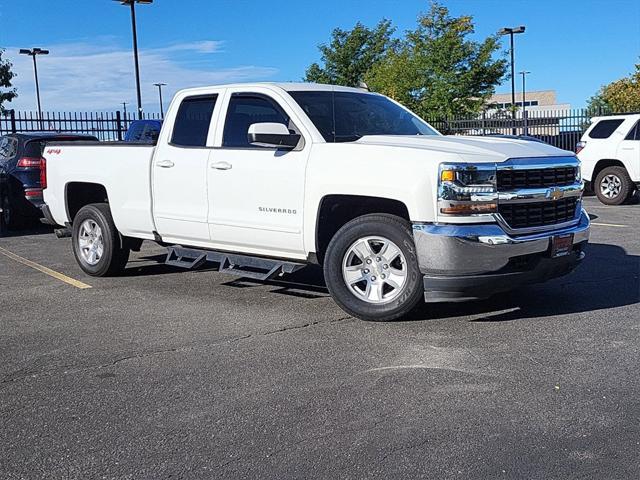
column 122, row 168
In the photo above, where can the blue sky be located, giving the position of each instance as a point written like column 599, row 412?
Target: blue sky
column 572, row 46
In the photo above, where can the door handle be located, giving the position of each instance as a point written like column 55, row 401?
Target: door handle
column 221, row 166
column 628, row 148
column 165, row 164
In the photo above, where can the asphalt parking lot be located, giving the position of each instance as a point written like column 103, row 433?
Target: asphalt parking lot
column 165, row 373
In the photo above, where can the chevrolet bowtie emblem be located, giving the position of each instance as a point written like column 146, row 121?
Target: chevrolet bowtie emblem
column 554, row 193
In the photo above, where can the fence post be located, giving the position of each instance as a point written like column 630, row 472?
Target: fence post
column 119, row 127
column 12, row 116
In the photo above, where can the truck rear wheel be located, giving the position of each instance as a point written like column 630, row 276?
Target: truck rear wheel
column 96, row 242
column 371, row 268
column 613, row 186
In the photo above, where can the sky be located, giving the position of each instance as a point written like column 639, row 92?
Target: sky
column 571, row 46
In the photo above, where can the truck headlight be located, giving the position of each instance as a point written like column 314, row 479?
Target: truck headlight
column 467, row 189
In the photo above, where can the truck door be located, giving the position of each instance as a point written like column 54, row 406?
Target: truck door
column 629, row 152
column 179, row 172
column 256, row 194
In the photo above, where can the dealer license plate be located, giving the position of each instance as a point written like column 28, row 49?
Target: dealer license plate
column 561, row 245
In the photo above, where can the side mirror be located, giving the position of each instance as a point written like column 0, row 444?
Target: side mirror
column 272, row 135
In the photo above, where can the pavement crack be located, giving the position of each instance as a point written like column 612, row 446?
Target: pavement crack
column 305, row 325
column 26, row 372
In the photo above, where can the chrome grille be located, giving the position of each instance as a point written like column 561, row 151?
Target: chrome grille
column 512, row 179
column 538, row 214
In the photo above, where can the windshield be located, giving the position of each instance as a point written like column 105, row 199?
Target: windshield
column 348, row 116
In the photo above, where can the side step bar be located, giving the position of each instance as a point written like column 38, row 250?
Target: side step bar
column 242, row 265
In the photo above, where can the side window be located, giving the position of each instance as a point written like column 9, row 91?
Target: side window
column 605, row 128
column 634, row 133
column 192, row 122
column 245, row 110
column 8, row 147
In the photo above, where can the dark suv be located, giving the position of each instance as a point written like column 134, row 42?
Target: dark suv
column 20, row 187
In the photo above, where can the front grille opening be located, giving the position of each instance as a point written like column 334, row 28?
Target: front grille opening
column 536, row 178
column 538, row 214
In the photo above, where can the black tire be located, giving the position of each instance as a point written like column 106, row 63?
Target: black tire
column 626, row 185
column 114, row 256
column 8, row 218
column 390, row 227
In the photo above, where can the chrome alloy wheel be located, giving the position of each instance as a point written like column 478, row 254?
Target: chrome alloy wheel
column 374, row 269
column 90, row 242
column 610, row 186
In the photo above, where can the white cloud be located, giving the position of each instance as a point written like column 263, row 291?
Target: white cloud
column 87, row 77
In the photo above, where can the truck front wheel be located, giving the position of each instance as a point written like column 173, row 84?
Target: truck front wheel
column 96, row 242
column 371, row 268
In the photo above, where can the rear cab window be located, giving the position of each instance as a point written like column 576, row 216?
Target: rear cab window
column 191, row 126
column 604, row 128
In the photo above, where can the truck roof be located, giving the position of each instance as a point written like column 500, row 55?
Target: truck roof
column 288, row 86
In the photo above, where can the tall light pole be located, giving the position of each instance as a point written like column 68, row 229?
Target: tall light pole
column 524, row 73
column 34, row 52
column 511, row 32
column 132, row 5
column 160, row 85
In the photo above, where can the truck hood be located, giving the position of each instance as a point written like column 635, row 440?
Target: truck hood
column 476, row 149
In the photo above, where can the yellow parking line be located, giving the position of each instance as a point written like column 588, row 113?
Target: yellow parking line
column 45, row 270
column 609, row 225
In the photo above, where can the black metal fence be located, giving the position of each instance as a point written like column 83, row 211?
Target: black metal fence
column 106, row 126
column 561, row 128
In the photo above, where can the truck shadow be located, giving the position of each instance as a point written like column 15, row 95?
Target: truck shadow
column 607, row 278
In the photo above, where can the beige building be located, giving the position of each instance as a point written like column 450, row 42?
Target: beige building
column 536, row 100
column 544, row 113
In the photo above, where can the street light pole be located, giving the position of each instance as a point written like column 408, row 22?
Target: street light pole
column 33, row 52
column 511, row 31
column 132, row 4
column 160, row 85
column 524, row 73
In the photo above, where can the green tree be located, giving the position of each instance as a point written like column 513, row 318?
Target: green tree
column 6, row 92
column 437, row 70
column 351, row 53
column 620, row 96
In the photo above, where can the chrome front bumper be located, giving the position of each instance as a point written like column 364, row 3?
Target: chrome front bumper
column 461, row 262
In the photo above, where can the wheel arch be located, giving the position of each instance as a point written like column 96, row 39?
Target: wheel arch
column 335, row 210
column 80, row 194
column 604, row 163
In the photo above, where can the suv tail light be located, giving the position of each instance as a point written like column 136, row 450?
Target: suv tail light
column 29, row 162
column 580, row 146
column 43, row 173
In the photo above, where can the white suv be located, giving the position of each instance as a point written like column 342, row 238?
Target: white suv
column 610, row 154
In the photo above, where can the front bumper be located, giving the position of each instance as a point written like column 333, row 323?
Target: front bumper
column 467, row 262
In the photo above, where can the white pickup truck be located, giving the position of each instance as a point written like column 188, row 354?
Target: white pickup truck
column 264, row 179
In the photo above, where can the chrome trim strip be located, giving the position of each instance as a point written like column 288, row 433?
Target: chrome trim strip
column 538, row 162
column 530, row 195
